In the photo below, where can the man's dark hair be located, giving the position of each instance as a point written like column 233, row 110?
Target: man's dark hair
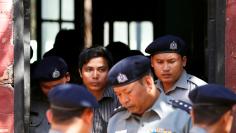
column 93, row 52
column 209, row 114
column 141, row 80
column 118, row 50
column 62, row 116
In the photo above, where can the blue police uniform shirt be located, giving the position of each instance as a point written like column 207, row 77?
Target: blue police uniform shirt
column 182, row 87
column 39, row 105
column 38, row 119
column 160, row 118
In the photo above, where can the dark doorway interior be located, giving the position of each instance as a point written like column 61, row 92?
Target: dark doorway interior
column 187, row 19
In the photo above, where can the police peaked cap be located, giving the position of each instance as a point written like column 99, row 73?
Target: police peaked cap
column 71, row 97
column 50, row 68
column 212, row 94
column 129, row 70
column 167, row 44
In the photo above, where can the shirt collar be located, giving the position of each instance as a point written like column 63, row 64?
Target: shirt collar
column 158, row 107
column 198, row 129
column 108, row 92
column 181, row 82
column 54, row 131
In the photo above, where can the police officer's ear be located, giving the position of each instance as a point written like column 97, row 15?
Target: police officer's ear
column 67, row 76
column 87, row 116
column 49, row 115
column 192, row 115
column 148, row 81
column 184, row 58
column 151, row 61
column 80, row 73
column 234, row 108
column 227, row 120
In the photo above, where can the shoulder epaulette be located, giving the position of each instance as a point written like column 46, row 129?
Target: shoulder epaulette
column 118, row 109
column 181, row 105
column 196, row 81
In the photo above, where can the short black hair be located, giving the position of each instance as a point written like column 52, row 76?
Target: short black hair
column 93, row 52
column 62, row 116
column 209, row 114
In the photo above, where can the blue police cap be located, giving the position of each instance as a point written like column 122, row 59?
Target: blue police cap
column 129, row 70
column 166, row 44
column 212, row 94
column 71, row 97
column 50, row 68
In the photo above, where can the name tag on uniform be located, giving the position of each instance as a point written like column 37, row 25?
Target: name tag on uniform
column 121, row 131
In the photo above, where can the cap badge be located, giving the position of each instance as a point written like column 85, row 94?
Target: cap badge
column 56, row 74
column 173, row 45
column 121, row 78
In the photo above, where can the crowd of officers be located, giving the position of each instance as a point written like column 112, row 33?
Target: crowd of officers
column 123, row 96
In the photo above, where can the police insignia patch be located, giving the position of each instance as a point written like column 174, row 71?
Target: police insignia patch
column 56, row 74
column 121, row 78
column 173, row 45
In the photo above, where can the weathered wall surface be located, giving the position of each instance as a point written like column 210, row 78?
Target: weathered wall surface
column 6, row 67
column 230, row 45
column 230, row 49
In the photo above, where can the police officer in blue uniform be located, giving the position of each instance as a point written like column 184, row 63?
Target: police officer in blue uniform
column 71, row 109
column 212, row 109
column 49, row 72
column 168, row 59
column 144, row 107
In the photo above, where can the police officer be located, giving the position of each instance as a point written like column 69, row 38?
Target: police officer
column 49, row 72
column 168, row 59
column 212, row 109
column 145, row 108
column 71, row 109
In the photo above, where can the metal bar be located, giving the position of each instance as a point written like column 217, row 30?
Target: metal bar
column 26, row 45
column 18, row 67
column 215, row 48
column 39, row 29
column 211, row 40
